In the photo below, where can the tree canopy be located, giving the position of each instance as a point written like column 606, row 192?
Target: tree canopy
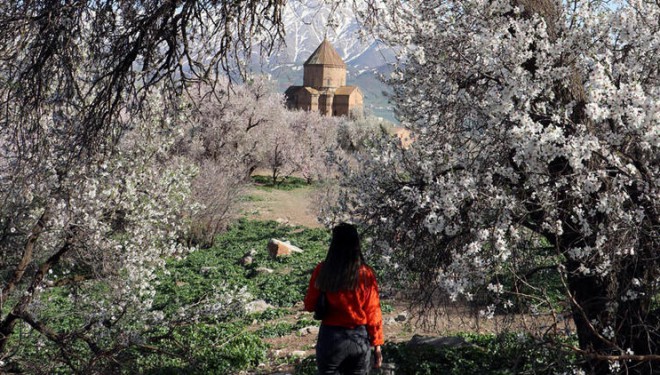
column 89, row 95
column 536, row 130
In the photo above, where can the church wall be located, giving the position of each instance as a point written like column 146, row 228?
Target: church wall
column 345, row 103
column 341, row 106
column 326, row 104
column 324, row 76
column 313, row 76
column 307, row 101
column 356, row 100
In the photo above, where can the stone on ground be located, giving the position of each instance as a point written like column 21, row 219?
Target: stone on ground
column 277, row 248
column 257, row 306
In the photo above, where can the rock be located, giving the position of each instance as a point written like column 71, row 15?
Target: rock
column 298, row 353
column 282, row 221
column 257, row 306
column 308, row 330
column 437, row 342
column 264, row 270
column 402, row 316
column 277, row 248
column 246, row 260
column 248, row 257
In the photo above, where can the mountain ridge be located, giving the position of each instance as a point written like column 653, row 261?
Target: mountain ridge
column 367, row 60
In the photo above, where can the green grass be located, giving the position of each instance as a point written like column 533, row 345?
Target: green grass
column 208, row 349
column 283, row 183
column 386, row 308
column 251, row 198
column 280, row 329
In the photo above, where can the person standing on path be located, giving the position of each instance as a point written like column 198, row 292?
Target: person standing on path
column 353, row 322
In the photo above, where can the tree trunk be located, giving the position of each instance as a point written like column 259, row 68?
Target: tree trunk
column 590, row 302
column 634, row 327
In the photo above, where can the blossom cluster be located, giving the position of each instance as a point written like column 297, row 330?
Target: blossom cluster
column 536, row 149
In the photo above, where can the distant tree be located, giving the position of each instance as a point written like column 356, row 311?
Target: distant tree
column 315, row 137
column 298, row 143
column 90, row 94
column 536, row 157
column 356, row 134
column 227, row 139
column 277, row 144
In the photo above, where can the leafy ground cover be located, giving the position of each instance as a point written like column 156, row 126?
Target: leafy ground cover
column 190, row 280
column 230, row 340
column 488, row 354
column 285, row 287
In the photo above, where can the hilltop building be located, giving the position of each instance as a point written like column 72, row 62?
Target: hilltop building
column 324, row 85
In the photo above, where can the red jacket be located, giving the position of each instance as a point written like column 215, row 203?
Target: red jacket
column 351, row 308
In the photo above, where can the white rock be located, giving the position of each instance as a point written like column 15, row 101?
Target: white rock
column 308, row 330
column 298, row 353
column 257, row 306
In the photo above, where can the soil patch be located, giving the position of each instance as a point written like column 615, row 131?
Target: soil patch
column 288, row 206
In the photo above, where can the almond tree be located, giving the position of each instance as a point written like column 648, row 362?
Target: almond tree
column 536, row 156
column 316, row 136
column 89, row 202
column 227, row 139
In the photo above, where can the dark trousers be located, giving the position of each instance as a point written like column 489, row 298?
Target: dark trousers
column 342, row 351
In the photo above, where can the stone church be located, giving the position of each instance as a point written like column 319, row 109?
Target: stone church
column 324, row 86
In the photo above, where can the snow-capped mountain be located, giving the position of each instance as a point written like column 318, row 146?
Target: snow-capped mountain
column 307, row 23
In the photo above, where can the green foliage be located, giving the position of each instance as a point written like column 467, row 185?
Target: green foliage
column 506, row 353
column 279, row 329
column 217, row 347
column 208, row 349
column 219, row 343
column 203, row 271
column 307, row 366
column 268, row 315
column 275, row 330
column 386, row 308
column 224, row 344
column 303, row 322
column 284, row 183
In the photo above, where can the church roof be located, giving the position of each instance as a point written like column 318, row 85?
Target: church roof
column 346, row 90
column 325, row 54
column 293, row 90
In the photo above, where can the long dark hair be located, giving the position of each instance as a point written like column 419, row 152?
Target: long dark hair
column 341, row 269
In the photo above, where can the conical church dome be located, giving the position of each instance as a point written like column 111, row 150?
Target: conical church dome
column 324, row 85
column 325, row 54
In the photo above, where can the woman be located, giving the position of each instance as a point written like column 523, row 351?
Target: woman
column 353, row 321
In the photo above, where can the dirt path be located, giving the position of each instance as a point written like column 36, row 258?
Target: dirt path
column 292, row 206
